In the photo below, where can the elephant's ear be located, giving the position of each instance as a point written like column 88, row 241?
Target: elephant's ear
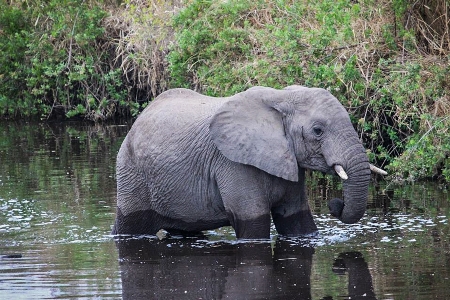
column 249, row 130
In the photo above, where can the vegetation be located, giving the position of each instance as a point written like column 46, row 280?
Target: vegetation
column 386, row 61
column 74, row 58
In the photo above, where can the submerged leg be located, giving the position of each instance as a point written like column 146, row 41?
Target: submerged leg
column 293, row 216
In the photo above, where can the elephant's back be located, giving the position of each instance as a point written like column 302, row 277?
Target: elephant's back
column 170, row 121
column 176, row 109
column 183, row 104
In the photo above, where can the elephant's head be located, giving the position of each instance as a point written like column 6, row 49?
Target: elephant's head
column 280, row 131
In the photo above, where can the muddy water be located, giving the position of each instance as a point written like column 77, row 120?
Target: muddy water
column 57, row 198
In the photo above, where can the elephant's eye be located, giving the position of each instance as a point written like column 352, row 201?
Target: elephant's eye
column 318, row 131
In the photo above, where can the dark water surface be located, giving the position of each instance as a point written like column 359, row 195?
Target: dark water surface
column 57, row 204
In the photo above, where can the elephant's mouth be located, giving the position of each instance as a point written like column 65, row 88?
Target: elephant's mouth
column 316, row 163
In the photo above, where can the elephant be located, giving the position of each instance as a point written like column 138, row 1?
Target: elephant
column 192, row 163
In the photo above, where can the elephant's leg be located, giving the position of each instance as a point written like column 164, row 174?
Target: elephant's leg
column 134, row 212
column 137, row 222
column 293, row 222
column 250, row 227
column 245, row 201
column 293, row 216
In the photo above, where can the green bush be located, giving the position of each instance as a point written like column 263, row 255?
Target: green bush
column 59, row 62
column 360, row 51
column 15, row 31
column 224, row 47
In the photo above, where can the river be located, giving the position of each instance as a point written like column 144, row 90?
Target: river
column 57, row 206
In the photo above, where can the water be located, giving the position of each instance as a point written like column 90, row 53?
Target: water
column 57, row 205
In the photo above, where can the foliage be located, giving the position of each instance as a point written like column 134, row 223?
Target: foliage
column 62, row 65
column 143, row 31
column 363, row 52
column 387, row 62
column 14, row 36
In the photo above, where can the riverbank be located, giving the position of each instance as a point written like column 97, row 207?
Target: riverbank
column 387, row 62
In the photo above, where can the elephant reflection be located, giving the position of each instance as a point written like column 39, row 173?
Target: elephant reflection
column 176, row 269
column 359, row 278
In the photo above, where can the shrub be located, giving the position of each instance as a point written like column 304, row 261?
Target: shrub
column 141, row 33
column 15, row 31
column 363, row 52
column 63, row 65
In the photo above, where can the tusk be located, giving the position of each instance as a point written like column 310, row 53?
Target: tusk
column 377, row 170
column 340, row 171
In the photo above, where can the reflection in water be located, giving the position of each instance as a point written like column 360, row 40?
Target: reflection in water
column 57, row 197
column 359, row 279
column 179, row 269
column 381, row 200
column 57, row 175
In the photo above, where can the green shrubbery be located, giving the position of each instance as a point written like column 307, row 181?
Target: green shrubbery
column 55, row 61
column 15, row 31
column 387, row 62
column 360, row 51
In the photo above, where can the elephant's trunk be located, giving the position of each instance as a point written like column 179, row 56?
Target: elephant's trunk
column 356, row 187
column 356, row 190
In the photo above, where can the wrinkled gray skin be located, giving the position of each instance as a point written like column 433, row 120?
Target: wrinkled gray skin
column 192, row 162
